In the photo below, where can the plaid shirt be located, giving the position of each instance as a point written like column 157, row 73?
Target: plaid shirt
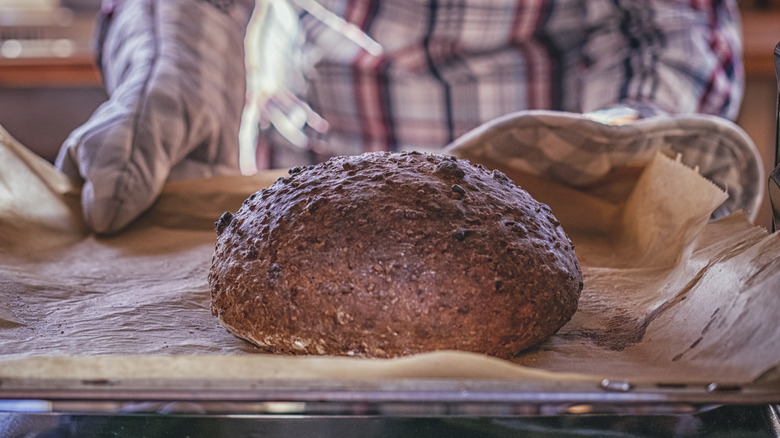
column 448, row 66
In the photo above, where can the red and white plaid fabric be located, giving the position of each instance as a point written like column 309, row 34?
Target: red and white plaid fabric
column 448, row 66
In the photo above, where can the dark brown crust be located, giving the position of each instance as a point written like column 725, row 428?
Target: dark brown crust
column 390, row 254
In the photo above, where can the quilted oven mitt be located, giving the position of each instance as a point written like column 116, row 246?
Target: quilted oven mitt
column 579, row 149
column 175, row 76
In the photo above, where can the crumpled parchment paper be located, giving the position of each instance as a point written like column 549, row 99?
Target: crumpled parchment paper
column 669, row 295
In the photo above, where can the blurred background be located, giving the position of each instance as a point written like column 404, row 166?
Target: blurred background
column 49, row 83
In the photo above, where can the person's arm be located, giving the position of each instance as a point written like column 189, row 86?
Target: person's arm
column 174, row 73
column 664, row 57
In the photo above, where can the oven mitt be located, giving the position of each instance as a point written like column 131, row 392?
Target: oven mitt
column 577, row 150
column 174, row 73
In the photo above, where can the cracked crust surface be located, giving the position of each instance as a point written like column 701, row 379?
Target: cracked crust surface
column 391, row 254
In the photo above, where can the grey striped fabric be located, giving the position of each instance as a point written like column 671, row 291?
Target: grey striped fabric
column 174, row 72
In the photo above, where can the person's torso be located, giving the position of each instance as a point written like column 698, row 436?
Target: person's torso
column 446, row 67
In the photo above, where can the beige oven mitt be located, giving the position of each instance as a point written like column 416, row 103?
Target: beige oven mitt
column 174, row 72
column 578, row 150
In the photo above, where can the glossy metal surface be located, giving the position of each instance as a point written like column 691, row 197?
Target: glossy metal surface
column 774, row 176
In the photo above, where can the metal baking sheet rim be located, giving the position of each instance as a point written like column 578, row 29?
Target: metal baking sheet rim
column 406, row 397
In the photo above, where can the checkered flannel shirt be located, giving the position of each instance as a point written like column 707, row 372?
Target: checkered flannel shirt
column 448, row 66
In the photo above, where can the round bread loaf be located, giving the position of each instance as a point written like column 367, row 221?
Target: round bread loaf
column 391, row 254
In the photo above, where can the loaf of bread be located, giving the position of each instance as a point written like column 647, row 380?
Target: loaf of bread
column 391, row 254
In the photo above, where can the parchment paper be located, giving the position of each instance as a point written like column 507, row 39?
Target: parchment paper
column 669, row 296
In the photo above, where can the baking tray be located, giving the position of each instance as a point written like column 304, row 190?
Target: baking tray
column 410, row 407
column 417, row 397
